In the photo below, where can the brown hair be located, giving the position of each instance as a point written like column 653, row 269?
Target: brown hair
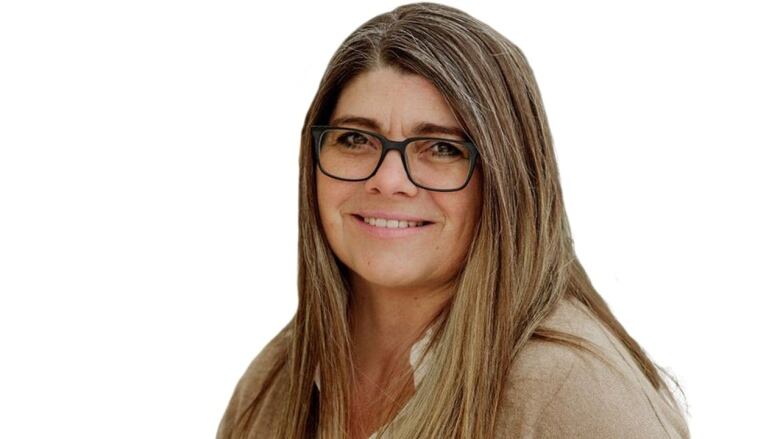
column 520, row 264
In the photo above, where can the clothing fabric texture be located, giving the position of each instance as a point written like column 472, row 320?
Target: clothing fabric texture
column 552, row 391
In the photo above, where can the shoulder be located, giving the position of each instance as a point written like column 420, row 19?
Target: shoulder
column 253, row 381
column 264, row 362
column 555, row 390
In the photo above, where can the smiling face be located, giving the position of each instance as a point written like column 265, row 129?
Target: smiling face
column 423, row 257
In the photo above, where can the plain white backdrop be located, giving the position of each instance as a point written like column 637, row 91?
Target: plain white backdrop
column 148, row 195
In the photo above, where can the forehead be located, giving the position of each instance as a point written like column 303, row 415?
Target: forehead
column 392, row 102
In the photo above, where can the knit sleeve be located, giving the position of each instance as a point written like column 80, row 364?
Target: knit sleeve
column 596, row 401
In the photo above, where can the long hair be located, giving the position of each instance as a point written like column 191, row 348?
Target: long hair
column 520, row 263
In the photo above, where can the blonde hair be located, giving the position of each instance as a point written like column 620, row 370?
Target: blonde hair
column 520, row 264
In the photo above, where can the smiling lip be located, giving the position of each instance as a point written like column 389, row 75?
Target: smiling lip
column 389, row 215
column 386, row 232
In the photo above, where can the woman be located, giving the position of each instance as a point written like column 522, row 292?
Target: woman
column 439, row 292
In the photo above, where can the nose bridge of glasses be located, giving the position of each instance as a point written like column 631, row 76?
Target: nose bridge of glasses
column 391, row 147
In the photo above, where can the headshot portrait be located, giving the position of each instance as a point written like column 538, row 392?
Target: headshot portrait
column 439, row 293
column 389, row 219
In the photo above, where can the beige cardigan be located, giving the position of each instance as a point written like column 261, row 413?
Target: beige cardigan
column 552, row 391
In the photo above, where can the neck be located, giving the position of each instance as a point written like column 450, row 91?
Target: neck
column 386, row 321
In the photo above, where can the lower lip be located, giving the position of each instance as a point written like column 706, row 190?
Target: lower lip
column 386, row 232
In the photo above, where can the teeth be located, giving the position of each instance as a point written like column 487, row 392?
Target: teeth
column 392, row 223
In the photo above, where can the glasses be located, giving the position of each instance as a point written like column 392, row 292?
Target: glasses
column 436, row 164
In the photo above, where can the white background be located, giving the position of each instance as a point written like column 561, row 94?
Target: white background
column 148, row 195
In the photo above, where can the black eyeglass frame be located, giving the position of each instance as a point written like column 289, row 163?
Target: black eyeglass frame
column 388, row 145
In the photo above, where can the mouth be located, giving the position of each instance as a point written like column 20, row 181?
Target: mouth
column 383, row 223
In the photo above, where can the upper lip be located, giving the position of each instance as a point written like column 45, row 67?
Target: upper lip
column 389, row 215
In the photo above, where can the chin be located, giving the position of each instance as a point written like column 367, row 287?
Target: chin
column 394, row 280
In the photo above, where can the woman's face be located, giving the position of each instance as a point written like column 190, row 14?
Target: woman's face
column 415, row 257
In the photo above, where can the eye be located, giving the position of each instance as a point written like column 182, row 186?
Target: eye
column 448, row 150
column 352, row 139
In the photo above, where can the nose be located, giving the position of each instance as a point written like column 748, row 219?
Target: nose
column 391, row 177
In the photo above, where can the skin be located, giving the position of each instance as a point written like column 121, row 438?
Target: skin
column 398, row 284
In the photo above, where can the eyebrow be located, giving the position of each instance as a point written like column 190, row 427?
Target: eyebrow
column 422, row 128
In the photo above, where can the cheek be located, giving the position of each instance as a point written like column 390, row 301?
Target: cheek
column 330, row 197
column 462, row 209
column 327, row 195
column 325, row 202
